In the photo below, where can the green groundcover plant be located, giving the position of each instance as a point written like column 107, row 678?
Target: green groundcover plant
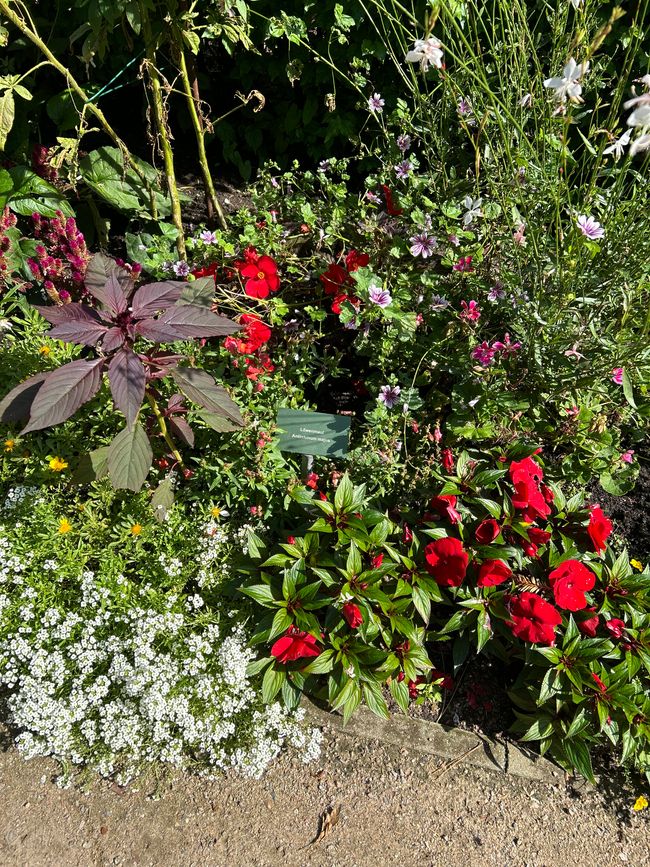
column 495, row 560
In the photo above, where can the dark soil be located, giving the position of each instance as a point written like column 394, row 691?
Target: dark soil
column 630, row 514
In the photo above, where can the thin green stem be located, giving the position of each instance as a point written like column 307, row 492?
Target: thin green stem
column 162, row 424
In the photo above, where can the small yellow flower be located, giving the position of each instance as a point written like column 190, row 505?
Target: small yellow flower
column 136, row 529
column 640, row 804
column 45, row 350
column 58, row 464
column 637, row 564
column 9, row 445
column 64, row 526
column 215, row 511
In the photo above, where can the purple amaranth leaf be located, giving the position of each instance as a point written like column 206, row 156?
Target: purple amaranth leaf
column 199, row 292
column 115, row 300
column 201, row 388
column 16, row 405
column 181, row 430
column 127, row 376
column 129, row 458
column 175, row 403
column 99, row 269
column 218, row 422
column 149, row 299
column 113, row 340
column 151, row 329
column 82, row 332
column 63, row 392
column 64, row 313
column 189, row 320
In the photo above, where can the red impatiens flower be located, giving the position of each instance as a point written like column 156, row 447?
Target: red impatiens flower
column 355, row 260
column 599, row 528
column 261, row 276
column 448, row 460
column 391, row 208
column 569, row 582
column 377, row 560
column 445, row 504
column 493, row 572
column 525, row 476
column 533, row 619
column 446, row 561
column 407, row 534
column 293, row 645
column 536, row 537
column 589, row 626
column 615, row 627
column 487, row 531
column 256, row 332
column 528, row 468
column 352, row 615
column 335, row 279
column 207, row 271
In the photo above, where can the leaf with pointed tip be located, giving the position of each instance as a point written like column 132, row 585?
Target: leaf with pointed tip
column 149, row 299
column 151, row 329
column 175, row 402
column 92, row 466
column 201, row 388
column 181, row 430
column 64, row 391
column 162, row 499
column 199, row 292
column 129, row 458
column 113, row 339
column 190, row 320
column 61, row 313
column 218, row 422
column 84, row 333
column 126, row 375
column 99, row 269
column 116, row 300
column 16, row 405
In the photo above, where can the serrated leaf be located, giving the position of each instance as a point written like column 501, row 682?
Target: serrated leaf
column 191, row 320
column 162, row 499
column 201, row 388
column 16, row 405
column 129, row 458
column 127, row 376
column 63, row 392
column 152, row 297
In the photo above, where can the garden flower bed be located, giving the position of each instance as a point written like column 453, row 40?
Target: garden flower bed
column 360, row 439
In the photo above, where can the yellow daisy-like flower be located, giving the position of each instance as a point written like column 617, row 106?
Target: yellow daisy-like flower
column 215, row 511
column 64, row 526
column 57, row 465
column 9, row 445
column 640, row 804
column 45, row 350
column 637, row 564
column 136, row 529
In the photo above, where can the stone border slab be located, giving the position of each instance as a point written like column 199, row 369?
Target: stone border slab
column 451, row 744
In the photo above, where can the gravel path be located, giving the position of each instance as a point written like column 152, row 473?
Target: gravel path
column 392, row 812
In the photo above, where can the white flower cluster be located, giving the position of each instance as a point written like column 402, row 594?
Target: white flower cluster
column 16, row 496
column 117, row 684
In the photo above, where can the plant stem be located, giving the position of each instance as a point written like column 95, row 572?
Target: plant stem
column 162, row 424
column 160, row 117
column 35, row 39
column 193, row 105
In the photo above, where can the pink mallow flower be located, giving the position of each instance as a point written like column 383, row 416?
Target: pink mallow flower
column 590, row 228
column 617, row 375
column 471, row 312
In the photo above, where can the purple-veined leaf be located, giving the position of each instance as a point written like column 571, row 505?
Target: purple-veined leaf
column 16, row 405
column 62, row 313
column 126, row 375
column 175, row 402
column 149, row 299
column 117, row 300
column 189, row 320
column 181, row 430
column 82, row 332
column 199, row 292
column 201, row 388
column 151, row 329
column 113, row 339
column 218, row 422
column 64, row 391
column 129, row 458
column 162, row 499
column 99, row 269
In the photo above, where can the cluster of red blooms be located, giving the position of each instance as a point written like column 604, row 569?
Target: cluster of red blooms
column 338, row 282
column 247, row 348
column 61, row 256
column 259, row 272
column 7, row 221
column 532, row 617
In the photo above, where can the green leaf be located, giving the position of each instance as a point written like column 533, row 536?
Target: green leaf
column 31, row 193
column 272, row 684
column 92, row 466
column 261, row 593
column 162, row 499
column 578, row 755
column 7, row 115
column 400, row 692
column 129, row 458
column 422, row 603
column 281, row 622
column 106, row 173
column 344, row 494
column 375, row 700
column 629, row 397
column 201, row 388
column 321, row 664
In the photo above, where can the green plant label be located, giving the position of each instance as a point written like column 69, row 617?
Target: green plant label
column 313, row 433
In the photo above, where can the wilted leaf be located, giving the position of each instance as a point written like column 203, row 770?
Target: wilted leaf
column 129, row 458
column 64, row 391
column 16, row 405
column 190, row 320
column 328, row 819
column 201, row 388
column 162, row 499
column 149, row 299
column 126, row 375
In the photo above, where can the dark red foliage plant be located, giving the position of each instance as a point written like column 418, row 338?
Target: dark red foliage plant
column 123, row 327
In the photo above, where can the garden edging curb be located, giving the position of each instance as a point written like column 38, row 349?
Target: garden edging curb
column 448, row 743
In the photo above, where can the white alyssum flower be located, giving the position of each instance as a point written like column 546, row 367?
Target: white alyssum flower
column 568, row 85
column 427, row 52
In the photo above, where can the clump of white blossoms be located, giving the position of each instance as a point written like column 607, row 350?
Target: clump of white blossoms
column 568, row 86
column 640, row 117
column 115, row 677
column 426, row 52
